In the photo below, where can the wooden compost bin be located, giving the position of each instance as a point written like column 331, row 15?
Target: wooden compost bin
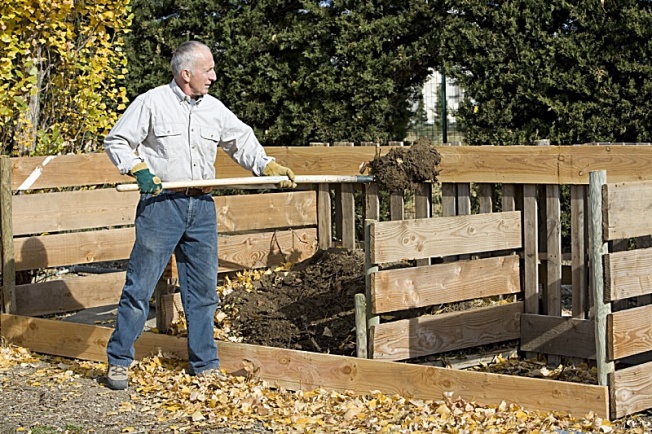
column 529, row 179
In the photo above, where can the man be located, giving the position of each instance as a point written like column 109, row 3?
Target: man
column 171, row 133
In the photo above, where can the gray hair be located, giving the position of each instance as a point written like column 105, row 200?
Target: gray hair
column 185, row 56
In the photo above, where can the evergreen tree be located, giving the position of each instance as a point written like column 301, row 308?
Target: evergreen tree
column 573, row 72
column 299, row 70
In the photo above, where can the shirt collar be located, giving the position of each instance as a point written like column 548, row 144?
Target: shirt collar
column 182, row 96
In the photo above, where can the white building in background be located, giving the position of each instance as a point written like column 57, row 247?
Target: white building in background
column 432, row 97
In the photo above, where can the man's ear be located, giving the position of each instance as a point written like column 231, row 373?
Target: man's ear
column 185, row 75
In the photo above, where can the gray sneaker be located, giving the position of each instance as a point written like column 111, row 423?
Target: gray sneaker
column 215, row 373
column 117, row 377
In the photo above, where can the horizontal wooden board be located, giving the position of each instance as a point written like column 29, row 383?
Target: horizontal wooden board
column 627, row 274
column 561, row 336
column 431, row 334
column 235, row 252
column 72, row 210
column 444, row 236
column 265, row 249
column 406, row 288
column 100, row 208
column 627, row 210
column 72, row 248
column 250, row 212
column 629, row 332
column 69, row 294
column 631, row 390
column 299, row 370
column 518, row 164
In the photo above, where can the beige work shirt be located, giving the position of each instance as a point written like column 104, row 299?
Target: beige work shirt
column 178, row 136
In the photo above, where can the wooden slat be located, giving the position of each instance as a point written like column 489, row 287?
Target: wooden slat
column 299, row 370
column 73, row 248
column 8, row 290
column 324, row 224
column 73, row 210
column 69, row 294
column 265, row 249
column 406, row 288
column 250, row 212
column 430, row 334
column 444, row 236
column 630, row 390
column 89, row 209
column 348, row 216
column 559, row 336
column 518, row 164
column 235, row 252
column 627, row 274
column 629, row 332
column 579, row 266
column 530, row 249
column 629, row 209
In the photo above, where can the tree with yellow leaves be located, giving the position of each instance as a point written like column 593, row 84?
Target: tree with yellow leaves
column 61, row 62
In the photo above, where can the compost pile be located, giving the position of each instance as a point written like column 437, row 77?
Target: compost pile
column 309, row 306
column 405, row 168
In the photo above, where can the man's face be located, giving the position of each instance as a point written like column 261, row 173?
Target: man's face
column 202, row 75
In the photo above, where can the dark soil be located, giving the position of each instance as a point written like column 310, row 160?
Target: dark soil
column 405, row 168
column 310, row 308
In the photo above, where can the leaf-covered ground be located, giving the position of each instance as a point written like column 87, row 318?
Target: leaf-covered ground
column 306, row 306
column 51, row 394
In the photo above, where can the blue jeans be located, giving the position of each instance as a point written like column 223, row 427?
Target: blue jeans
column 167, row 223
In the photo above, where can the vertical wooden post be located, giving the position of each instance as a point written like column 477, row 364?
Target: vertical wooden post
column 578, row 252
column 599, row 248
column 372, row 202
column 361, row 343
column 396, row 205
column 347, row 200
column 324, row 222
column 369, row 268
column 553, row 263
column 422, row 209
column 530, row 247
column 6, row 226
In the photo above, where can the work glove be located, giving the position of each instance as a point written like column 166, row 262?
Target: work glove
column 147, row 182
column 275, row 169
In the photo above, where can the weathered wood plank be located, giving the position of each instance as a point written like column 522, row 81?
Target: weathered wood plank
column 444, row 236
column 531, row 248
column 90, row 209
column 8, row 290
column 250, row 212
column 579, row 238
column 631, row 390
column 406, row 288
column 430, row 334
column 73, row 248
column 627, row 274
column 69, row 294
column 629, row 209
column 629, row 332
column 235, row 252
column 299, row 370
column 265, row 249
column 518, row 164
column 559, row 336
column 73, row 210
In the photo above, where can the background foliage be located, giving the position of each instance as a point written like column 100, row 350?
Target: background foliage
column 331, row 70
column 297, row 70
column 60, row 62
column 572, row 72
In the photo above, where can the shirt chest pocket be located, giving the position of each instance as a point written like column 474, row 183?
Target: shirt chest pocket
column 169, row 137
column 210, row 140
